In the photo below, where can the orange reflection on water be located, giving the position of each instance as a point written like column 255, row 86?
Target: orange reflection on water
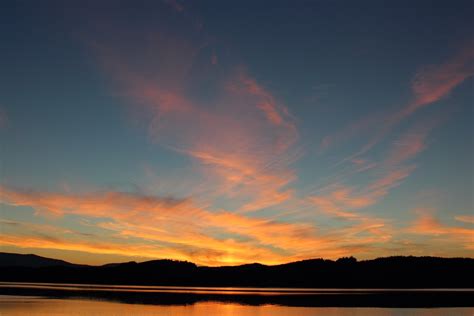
column 29, row 305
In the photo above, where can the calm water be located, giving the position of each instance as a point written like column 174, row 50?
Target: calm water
column 30, row 305
column 207, row 290
column 88, row 299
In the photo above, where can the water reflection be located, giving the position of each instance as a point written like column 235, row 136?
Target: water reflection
column 29, row 305
column 258, row 297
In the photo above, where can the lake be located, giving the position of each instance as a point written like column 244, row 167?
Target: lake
column 90, row 299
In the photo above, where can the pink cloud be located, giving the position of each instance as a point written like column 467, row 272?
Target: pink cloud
column 429, row 85
column 241, row 139
column 412, row 143
column 266, row 101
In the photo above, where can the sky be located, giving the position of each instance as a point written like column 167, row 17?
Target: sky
column 231, row 132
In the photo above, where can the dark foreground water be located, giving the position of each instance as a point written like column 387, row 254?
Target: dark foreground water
column 80, row 299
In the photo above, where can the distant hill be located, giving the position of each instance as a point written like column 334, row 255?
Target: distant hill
column 32, row 261
column 389, row 272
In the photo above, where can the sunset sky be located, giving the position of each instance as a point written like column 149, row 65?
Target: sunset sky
column 230, row 132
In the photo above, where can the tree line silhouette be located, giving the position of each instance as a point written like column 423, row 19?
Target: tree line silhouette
column 388, row 272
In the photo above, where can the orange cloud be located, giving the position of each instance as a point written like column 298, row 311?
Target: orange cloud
column 254, row 178
column 145, row 226
column 124, row 205
column 428, row 225
column 343, row 201
column 465, row 218
column 90, row 247
column 174, row 222
column 128, row 215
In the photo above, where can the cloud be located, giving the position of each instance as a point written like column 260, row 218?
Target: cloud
column 146, row 226
column 344, row 201
column 241, row 138
column 360, row 126
column 43, row 242
column 429, row 85
column 124, row 205
column 428, row 225
column 242, row 142
column 331, row 207
column 214, row 60
column 275, row 113
column 173, row 223
column 465, row 218
column 434, row 83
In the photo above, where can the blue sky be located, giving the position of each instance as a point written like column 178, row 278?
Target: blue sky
column 226, row 133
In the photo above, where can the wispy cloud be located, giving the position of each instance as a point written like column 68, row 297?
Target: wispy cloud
column 465, row 218
column 342, row 200
column 241, row 142
column 361, row 126
column 434, row 83
column 241, row 136
column 429, row 85
column 427, row 225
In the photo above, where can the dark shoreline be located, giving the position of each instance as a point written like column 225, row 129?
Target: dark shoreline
column 341, row 298
column 386, row 273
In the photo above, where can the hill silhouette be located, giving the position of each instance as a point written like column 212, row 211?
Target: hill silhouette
column 389, row 272
column 30, row 260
